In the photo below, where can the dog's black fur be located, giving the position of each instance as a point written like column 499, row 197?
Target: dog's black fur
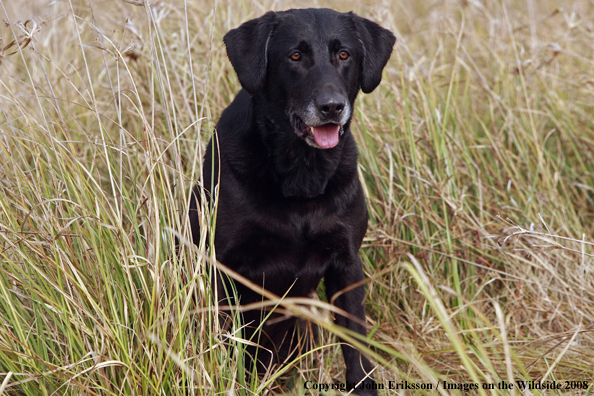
column 291, row 209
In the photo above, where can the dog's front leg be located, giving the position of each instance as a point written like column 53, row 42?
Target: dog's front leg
column 338, row 278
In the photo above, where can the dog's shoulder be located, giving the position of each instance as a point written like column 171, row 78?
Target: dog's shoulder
column 236, row 142
column 237, row 119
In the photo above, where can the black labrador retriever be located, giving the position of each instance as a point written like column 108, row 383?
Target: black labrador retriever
column 291, row 209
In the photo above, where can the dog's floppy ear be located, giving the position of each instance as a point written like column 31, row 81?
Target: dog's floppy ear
column 247, row 50
column 377, row 48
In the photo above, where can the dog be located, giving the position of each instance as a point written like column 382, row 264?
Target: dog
column 283, row 169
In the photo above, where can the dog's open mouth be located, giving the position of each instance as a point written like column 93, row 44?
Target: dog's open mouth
column 323, row 136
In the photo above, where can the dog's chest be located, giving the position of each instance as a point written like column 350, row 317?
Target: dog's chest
column 286, row 247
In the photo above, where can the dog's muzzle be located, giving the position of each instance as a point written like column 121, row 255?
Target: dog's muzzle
column 323, row 136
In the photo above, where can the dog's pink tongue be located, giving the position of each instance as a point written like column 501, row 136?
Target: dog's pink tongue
column 326, row 136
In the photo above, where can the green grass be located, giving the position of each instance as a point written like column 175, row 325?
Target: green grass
column 475, row 156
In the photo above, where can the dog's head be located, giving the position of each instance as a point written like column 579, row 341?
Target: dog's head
column 310, row 63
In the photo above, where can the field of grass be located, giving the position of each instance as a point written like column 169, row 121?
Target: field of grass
column 475, row 156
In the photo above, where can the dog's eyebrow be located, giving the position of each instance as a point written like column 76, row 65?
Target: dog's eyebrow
column 335, row 44
column 304, row 46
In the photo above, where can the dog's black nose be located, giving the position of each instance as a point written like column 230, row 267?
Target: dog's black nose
column 330, row 104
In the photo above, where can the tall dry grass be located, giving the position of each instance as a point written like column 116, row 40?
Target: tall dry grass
column 475, row 157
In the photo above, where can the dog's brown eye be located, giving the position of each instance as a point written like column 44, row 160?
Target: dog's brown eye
column 343, row 55
column 296, row 56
